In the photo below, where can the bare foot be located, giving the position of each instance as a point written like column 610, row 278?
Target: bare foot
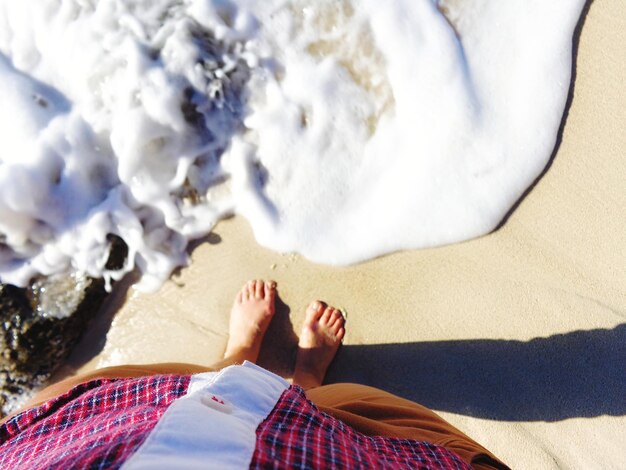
column 321, row 336
column 251, row 315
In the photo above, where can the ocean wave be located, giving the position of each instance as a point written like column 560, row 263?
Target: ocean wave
column 342, row 130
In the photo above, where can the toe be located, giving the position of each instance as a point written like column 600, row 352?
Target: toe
column 336, row 319
column 270, row 290
column 336, row 325
column 327, row 315
column 249, row 294
column 239, row 297
column 315, row 310
column 336, row 315
column 259, row 286
column 340, row 334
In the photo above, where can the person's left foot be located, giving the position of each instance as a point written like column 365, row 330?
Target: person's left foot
column 251, row 315
column 322, row 333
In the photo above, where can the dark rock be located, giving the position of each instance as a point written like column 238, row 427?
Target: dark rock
column 41, row 324
column 118, row 252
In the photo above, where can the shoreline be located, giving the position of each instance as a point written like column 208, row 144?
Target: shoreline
column 540, row 302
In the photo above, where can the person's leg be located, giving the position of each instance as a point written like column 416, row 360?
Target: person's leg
column 250, row 316
column 252, row 312
column 368, row 410
column 321, row 336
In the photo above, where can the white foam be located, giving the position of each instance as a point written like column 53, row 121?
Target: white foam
column 341, row 130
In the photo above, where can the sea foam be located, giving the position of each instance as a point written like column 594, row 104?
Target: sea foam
column 342, row 130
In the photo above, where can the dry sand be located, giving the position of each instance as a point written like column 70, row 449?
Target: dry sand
column 518, row 338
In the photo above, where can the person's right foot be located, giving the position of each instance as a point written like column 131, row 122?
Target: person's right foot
column 321, row 336
column 251, row 315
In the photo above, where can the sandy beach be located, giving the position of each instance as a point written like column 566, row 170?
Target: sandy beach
column 518, row 338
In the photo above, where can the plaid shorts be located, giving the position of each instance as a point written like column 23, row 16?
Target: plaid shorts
column 101, row 423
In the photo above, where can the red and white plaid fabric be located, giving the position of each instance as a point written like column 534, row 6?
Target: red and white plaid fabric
column 98, row 424
column 297, row 435
column 101, row 423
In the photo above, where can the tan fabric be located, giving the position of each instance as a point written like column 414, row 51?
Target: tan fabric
column 377, row 413
column 368, row 410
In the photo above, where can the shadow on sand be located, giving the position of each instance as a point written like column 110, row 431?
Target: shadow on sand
column 578, row 374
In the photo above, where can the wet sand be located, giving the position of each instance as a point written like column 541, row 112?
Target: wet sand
column 518, row 338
